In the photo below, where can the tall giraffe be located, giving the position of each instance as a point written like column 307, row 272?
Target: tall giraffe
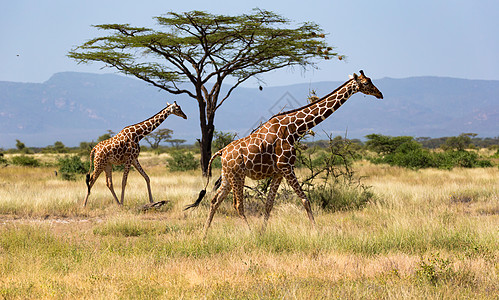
column 123, row 148
column 269, row 151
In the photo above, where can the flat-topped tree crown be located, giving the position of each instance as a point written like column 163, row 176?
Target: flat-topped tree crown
column 188, row 50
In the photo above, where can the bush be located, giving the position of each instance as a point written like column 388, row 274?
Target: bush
column 339, row 197
column 70, row 166
column 25, row 160
column 383, row 144
column 410, row 154
column 331, row 183
column 434, row 270
column 182, row 161
column 3, row 161
column 460, row 158
column 416, row 159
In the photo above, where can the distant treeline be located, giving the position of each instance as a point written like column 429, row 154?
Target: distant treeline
column 464, row 141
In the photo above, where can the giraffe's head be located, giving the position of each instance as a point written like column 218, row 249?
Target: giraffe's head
column 175, row 109
column 366, row 86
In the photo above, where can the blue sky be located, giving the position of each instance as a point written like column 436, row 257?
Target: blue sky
column 395, row 39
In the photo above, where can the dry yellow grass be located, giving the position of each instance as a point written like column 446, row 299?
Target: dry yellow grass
column 429, row 234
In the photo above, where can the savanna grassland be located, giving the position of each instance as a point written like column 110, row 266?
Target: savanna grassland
column 427, row 234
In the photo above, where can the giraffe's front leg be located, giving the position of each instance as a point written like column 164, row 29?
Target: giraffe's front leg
column 143, row 173
column 290, row 176
column 123, row 181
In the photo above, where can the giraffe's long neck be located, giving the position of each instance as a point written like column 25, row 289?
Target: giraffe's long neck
column 143, row 128
column 311, row 115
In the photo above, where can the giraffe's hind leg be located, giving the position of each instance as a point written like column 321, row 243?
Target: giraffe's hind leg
column 290, row 176
column 137, row 166
column 222, row 192
column 109, row 181
column 90, row 183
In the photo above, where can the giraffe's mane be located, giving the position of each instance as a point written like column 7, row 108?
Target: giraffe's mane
column 150, row 117
column 310, row 104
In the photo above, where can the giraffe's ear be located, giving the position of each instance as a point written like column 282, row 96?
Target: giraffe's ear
column 167, row 103
column 350, row 76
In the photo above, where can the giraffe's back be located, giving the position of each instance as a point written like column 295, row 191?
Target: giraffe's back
column 257, row 156
column 116, row 150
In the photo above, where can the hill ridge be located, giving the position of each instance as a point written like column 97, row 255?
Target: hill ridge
column 73, row 107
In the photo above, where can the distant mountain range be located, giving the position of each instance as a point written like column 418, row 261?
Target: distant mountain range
column 75, row 107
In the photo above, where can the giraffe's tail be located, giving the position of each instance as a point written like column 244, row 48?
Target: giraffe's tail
column 87, row 179
column 202, row 193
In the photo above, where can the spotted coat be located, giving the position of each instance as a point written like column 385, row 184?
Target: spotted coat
column 269, row 151
column 124, row 149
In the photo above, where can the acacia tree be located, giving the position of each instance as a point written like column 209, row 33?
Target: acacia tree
column 195, row 52
column 156, row 137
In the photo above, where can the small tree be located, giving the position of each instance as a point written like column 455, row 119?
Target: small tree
column 384, row 144
column 205, row 50
column 157, row 136
column 175, row 142
column 59, row 147
column 459, row 143
column 20, row 145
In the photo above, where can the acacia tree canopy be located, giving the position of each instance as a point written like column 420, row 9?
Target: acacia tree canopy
column 193, row 52
column 157, row 136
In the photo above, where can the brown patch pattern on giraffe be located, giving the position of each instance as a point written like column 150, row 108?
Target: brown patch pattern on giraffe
column 124, row 148
column 269, row 151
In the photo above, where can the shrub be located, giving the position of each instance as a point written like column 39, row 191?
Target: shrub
column 460, row 158
column 181, row 161
column 24, row 160
column 3, row 161
column 331, row 183
column 434, row 269
column 339, row 197
column 410, row 154
column 69, row 166
column 383, row 144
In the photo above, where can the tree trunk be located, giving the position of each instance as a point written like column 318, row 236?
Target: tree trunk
column 207, row 130
column 205, row 147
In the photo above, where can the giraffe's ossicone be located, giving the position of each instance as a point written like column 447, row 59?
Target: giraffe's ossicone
column 124, row 149
column 269, row 151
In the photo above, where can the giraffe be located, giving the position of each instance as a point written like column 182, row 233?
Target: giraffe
column 269, row 151
column 123, row 148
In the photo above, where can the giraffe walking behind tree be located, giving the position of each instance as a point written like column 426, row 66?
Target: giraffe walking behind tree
column 269, row 151
column 123, row 148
